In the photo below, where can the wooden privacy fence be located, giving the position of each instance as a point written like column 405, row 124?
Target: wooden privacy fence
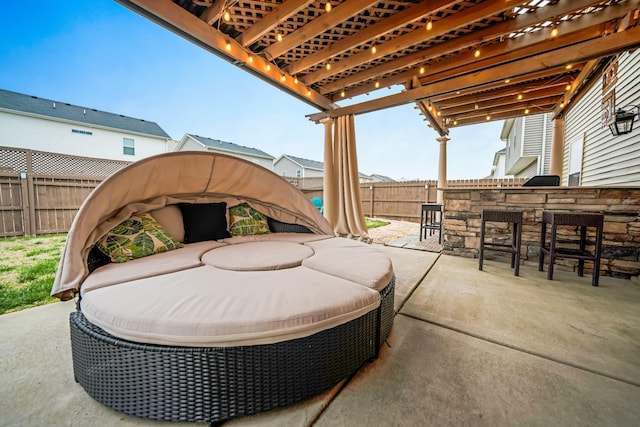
column 41, row 192
column 402, row 200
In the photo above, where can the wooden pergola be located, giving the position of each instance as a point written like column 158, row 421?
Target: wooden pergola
column 462, row 62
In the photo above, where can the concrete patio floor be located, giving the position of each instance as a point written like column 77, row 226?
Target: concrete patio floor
column 468, row 347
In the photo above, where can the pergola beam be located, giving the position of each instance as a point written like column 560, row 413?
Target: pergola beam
column 179, row 20
column 318, row 26
column 475, row 38
column 445, row 25
column 587, row 50
column 271, row 20
column 372, row 32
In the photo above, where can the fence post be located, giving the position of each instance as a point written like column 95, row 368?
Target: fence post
column 30, row 230
column 371, row 201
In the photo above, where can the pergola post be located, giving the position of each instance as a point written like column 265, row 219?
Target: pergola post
column 557, row 148
column 442, row 168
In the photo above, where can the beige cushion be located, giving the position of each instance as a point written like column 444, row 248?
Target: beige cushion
column 205, row 306
column 163, row 263
column 278, row 237
column 351, row 260
column 170, row 218
column 258, row 256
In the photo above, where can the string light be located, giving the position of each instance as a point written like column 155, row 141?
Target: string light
column 279, row 36
column 421, row 70
column 377, row 85
column 475, row 107
column 268, row 67
column 477, row 53
column 308, row 93
column 226, row 16
column 328, row 65
column 439, row 113
column 519, row 96
column 327, row 6
column 526, row 111
column 250, row 59
column 568, row 86
column 342, row 94
column 569, row 66
column 455, row 122
column 562, row 105
column 507, row 81
column 488, row 118
column 283, row 78
column 374, row 49
column 554, row 31
column 429, row 24
column 228, row 46
column 295, row 80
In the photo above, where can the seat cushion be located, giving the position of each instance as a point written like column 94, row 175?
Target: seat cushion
column 351, row 260
column 163, row 263
column 206, row 306
column 258, row 256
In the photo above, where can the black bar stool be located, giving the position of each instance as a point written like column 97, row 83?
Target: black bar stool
column 429, row 222
column 512, row 217
column 582, row 220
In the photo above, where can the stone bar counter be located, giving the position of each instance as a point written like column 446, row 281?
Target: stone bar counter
column 621, row 207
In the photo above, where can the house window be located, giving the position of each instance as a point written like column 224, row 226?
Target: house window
column 298, row 173
column 575, row 162
column 128, row 146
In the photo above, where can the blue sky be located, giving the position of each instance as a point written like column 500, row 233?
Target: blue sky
column 99, row 54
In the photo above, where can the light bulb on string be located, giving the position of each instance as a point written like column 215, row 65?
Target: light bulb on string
column 327, row 6
column 429, row 24
column 477, row 53
column 226, row 16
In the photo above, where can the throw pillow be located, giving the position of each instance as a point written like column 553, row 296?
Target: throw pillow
column 245, row 220
column 204, row 221
column 282, row 227
column 136, row 237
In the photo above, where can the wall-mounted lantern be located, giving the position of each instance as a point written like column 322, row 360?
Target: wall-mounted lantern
column 623, row 121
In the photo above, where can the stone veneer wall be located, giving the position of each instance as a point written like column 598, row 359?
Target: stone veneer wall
column 621, row 207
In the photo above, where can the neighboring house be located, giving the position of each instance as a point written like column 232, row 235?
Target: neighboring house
column 528, row 149
column 592, row 155
column 34, row 123
column 500, row 165
column 297, row 167
column 200, row 143
column 381, row 178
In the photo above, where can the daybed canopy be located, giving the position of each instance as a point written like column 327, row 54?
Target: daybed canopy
column 192, row 177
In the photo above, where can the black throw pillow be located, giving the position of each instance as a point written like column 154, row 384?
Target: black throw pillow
column 282, row 227
column 204, row 221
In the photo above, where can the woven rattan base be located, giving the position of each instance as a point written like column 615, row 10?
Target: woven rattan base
column 217, row 383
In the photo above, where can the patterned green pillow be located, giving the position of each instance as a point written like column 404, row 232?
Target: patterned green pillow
column 244, row 220
column 137, row 237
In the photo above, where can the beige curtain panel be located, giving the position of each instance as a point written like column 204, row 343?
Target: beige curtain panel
column 343, row 205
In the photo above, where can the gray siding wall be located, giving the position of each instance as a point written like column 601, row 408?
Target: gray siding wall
column 607, row 160
column 529, row 171
column 533, row 133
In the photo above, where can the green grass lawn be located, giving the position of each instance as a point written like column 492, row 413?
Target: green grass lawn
column 27, row 268
column 373, row 223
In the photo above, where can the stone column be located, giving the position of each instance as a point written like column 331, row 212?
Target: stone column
column 442, row 168
column 557, row 148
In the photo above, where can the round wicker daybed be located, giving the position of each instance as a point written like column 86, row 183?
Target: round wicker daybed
column 210, row 288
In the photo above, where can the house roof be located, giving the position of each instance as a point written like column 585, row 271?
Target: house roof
column 382, row 178
column 230, row 147
column 461, row 61
column 305, row 163
column 33, row 105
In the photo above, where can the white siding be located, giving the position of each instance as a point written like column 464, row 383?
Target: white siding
column 533, row 132
column 607, row 160
column 41, row 134
column 286, row 167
